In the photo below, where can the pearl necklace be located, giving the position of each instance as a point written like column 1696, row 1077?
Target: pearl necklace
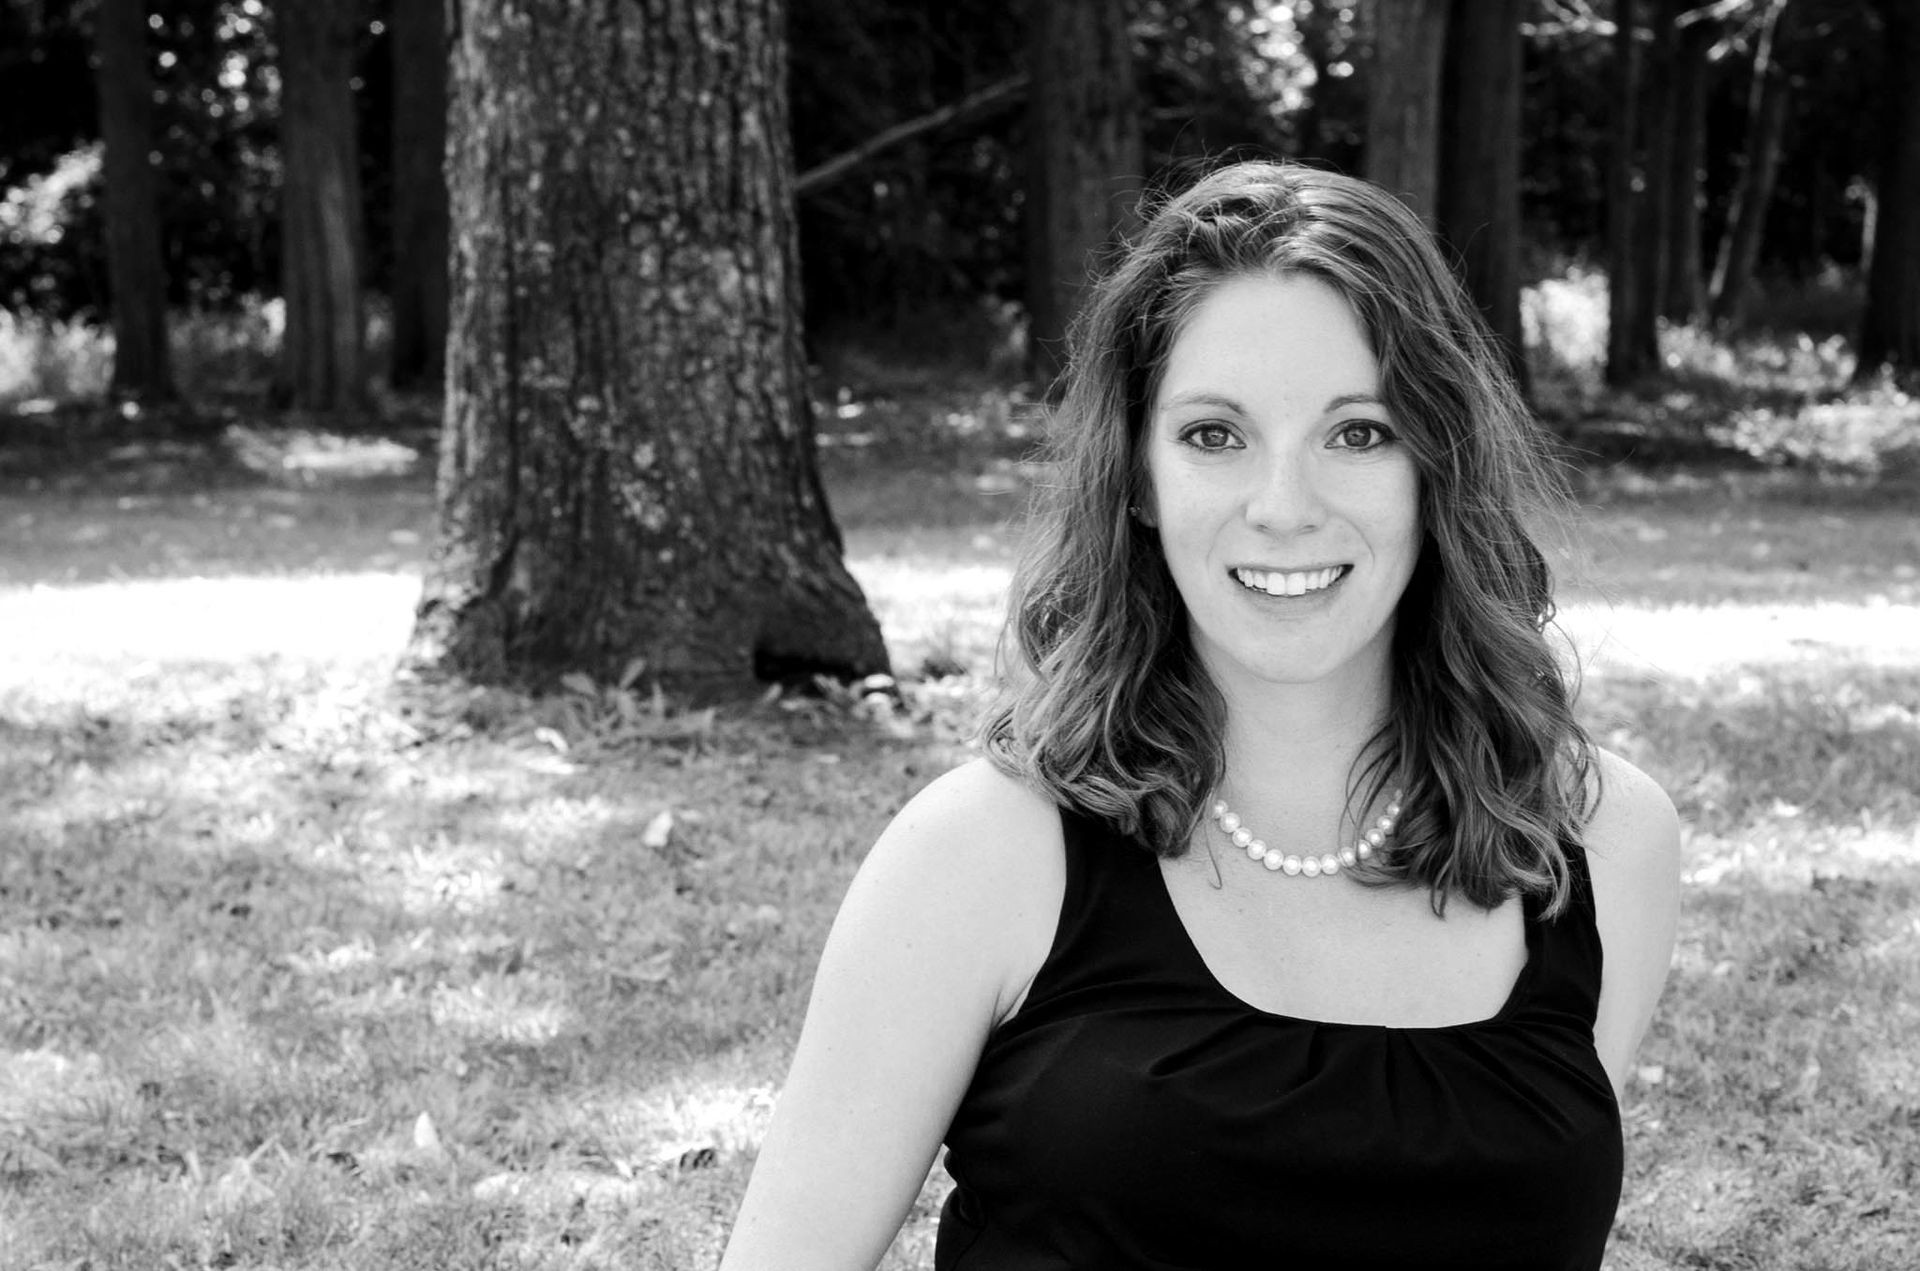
column 1312, row 866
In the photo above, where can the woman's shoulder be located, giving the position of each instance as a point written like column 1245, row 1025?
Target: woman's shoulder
column 979, row 853
column 1632, row 832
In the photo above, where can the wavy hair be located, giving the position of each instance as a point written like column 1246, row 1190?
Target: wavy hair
column 1106, row 706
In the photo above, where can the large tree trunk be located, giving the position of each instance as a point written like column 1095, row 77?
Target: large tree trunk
column 1479, row 197
column 136, row 270
column 1083, row 160
column 627, row 470
column 1753, row 192
column 1403, row 102
column 1632, row 346
column 1683, row 292
column 419, row 193
column 1890, row 331
column 323, row 359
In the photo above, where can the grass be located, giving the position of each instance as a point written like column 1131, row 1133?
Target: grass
column 298, row 972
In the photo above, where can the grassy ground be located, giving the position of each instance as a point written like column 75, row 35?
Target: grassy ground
column 296, row 973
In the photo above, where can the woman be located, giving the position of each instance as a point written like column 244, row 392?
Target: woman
column 1292, row 920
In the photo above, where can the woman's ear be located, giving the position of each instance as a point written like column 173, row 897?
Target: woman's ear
column 1141, row 515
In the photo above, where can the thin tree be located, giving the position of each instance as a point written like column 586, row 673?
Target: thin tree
column 1683, row 294
column 419, row 193
column 1651, row 260
column 1633, row 349
column 1753, row 191
column 1409, row 41
column 136, row 269
column 1083, row 160
column 323, row 358
column 1479, row 192
column 1890, row 329
column 627, row 479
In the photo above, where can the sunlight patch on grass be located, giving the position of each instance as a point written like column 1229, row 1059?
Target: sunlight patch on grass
column 317, row 619
column 1692, row 642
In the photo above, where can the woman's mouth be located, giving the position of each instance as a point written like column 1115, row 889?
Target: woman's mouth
column 1301, row 582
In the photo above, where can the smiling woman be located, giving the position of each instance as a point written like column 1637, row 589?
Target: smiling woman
column 1291, row 919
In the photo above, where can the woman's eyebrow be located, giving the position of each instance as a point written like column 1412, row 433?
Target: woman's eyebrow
column 1201, row 397
column 1220, row 401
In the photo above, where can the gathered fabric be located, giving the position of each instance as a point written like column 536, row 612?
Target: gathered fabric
column 1133, row 1113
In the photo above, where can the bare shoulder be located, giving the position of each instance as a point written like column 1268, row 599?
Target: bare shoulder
column 983, row 853
column 1633, row 854
column 1632, row 833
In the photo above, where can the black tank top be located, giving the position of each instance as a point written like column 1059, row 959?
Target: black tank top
column 1135, row 1114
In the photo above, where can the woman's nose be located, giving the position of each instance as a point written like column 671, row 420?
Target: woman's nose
column 1287, row 498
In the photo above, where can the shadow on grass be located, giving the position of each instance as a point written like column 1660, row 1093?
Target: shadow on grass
column 249, row 942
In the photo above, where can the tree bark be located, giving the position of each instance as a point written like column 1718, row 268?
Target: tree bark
column 1479, row 193
column 1753, row 191
column 419, row 194
column 1630, row 353
column 1083, row 161
column 136, row 269
column 323, row 359
column 627, row 470
column 1890, row 329
column 1683, row 294
column 1403, row 104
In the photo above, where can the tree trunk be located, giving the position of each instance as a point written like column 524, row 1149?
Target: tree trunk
column 419, row 194
column 136, row 270
column 1630, row 354
column 627, row 470
column 1479, row 193
column 1890, row 331
column 1403, row 104
column 1683, row 295
column 1653, row 248
column 1083, row 161
column 322, row 359
column 1753, row 192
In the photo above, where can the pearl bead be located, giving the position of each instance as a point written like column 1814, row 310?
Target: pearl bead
column 1313, row 866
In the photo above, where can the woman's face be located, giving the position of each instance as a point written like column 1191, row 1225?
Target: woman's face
column 1288, row 507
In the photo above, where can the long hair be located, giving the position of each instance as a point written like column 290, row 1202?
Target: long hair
column 1106, row 706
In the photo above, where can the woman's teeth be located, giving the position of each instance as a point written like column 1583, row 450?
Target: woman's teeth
column 1275, row 583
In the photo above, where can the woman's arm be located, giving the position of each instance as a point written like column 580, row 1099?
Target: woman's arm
column 1633, row 851
column 948, row 919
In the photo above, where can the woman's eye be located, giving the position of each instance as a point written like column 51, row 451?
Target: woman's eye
column 1362, row 435
column 1208, row 437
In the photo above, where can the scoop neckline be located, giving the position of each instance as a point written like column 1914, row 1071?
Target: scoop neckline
column 1516, row 995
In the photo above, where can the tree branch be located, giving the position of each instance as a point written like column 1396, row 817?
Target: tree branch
column 983, row 102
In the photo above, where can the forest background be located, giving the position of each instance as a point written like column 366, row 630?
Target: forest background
column 303, row 964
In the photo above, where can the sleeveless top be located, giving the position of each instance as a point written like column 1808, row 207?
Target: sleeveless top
column 1133, row 1113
